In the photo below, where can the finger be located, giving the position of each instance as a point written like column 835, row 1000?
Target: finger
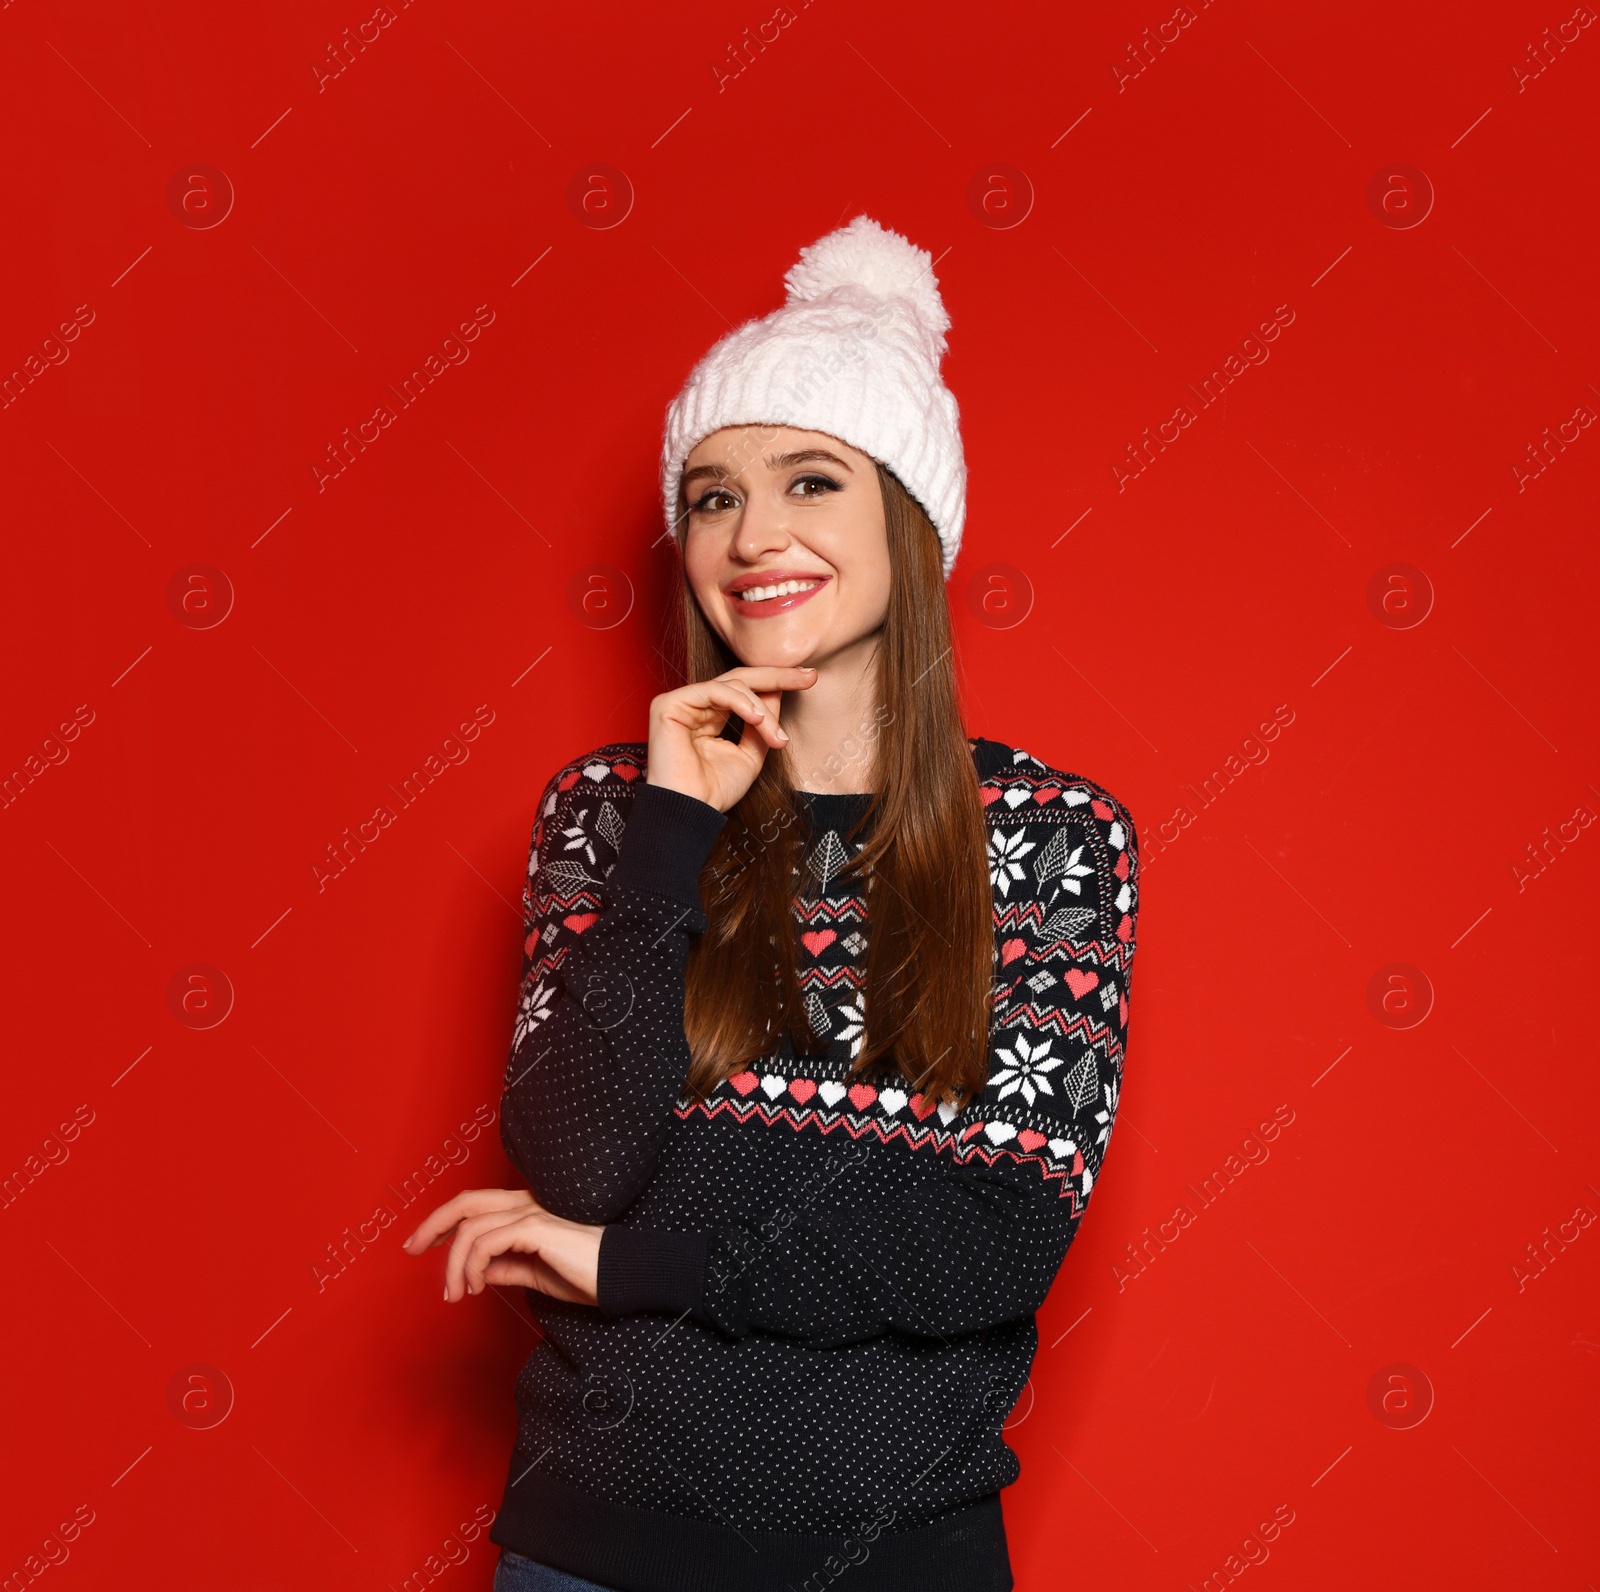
column 762, row 728
column 493, row 1241
column 441, row 1220
column 461, row 1241
column 470, row 1202
column 758, row 739
column 764, row 677
column 754, row 710
column 737, row 699
column 701, row 698
column 466, row 1235
column 771, row 677
column 769, row 730
column 512, row 1271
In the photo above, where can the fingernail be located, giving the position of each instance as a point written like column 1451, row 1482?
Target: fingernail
column 782, row 736
column 447, row 1295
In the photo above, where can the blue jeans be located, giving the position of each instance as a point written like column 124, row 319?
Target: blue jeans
column 516, row 1574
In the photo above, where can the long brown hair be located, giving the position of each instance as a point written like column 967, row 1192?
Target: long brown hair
column 930, row 938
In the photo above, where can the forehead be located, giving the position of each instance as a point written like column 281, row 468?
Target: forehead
column 735, row 448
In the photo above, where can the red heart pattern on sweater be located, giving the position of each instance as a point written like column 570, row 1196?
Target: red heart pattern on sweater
column 626, row 772
column 579, row 921
column 818, row 940
column 862, row 1095
column 1080, row 982
column 1010, row 951
column 570, row 780
column 988, row 795
column 1046, row 793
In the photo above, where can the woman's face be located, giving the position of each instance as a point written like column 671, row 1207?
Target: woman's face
column 785, row 545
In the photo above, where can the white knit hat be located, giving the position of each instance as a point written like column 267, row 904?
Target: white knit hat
column 853, row 352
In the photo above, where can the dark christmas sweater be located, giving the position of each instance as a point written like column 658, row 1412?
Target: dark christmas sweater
column 816, row 1295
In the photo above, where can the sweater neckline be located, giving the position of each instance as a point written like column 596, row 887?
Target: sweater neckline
column 834, row 807
column 836, row 810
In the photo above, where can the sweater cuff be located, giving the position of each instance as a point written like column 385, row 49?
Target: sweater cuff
column 668, row 838
column 646, row 1268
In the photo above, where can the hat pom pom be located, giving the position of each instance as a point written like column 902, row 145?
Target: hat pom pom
column 864, row 254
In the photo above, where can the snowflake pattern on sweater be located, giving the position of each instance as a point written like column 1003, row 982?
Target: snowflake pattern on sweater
column 796, row 1207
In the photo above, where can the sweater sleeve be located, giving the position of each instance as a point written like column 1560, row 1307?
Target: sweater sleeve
column 980, row 1242
column 598, row 1056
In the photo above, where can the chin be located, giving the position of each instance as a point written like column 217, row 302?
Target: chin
column 757, row 647
column 765, row 655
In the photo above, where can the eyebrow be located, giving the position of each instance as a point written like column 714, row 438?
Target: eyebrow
column 781, row 462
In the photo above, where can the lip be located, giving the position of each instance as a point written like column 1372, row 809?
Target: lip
column 770, row 607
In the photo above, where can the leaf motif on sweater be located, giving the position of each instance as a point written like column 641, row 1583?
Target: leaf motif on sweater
column 826, row 859
column 567, row 877
column 1083, row 1082
column 610, row 825
column 1065, row 923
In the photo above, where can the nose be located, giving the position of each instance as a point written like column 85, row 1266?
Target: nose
column 763, row 529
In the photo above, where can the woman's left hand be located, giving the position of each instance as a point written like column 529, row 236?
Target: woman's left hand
column 506, row 1236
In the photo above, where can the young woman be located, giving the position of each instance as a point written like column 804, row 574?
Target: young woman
column 821, row 1026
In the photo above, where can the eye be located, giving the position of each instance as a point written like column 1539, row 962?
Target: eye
column 702, row 504
column 825, row 482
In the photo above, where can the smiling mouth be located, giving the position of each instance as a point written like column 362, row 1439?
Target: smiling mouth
column 776, row 597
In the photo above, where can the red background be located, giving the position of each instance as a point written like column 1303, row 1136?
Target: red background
column 1160, row 623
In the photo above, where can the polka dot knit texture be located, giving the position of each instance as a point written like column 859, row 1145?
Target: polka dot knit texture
column 816, row 1294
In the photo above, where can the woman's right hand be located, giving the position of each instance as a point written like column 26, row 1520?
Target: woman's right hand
column 687, row 749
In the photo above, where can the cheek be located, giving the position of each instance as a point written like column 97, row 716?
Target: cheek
column 859, row 551
column 865, row 612
column 881, row 593
column 871, row 589
column 701, row 565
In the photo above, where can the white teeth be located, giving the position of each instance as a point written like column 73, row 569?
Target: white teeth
column 784, row 588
